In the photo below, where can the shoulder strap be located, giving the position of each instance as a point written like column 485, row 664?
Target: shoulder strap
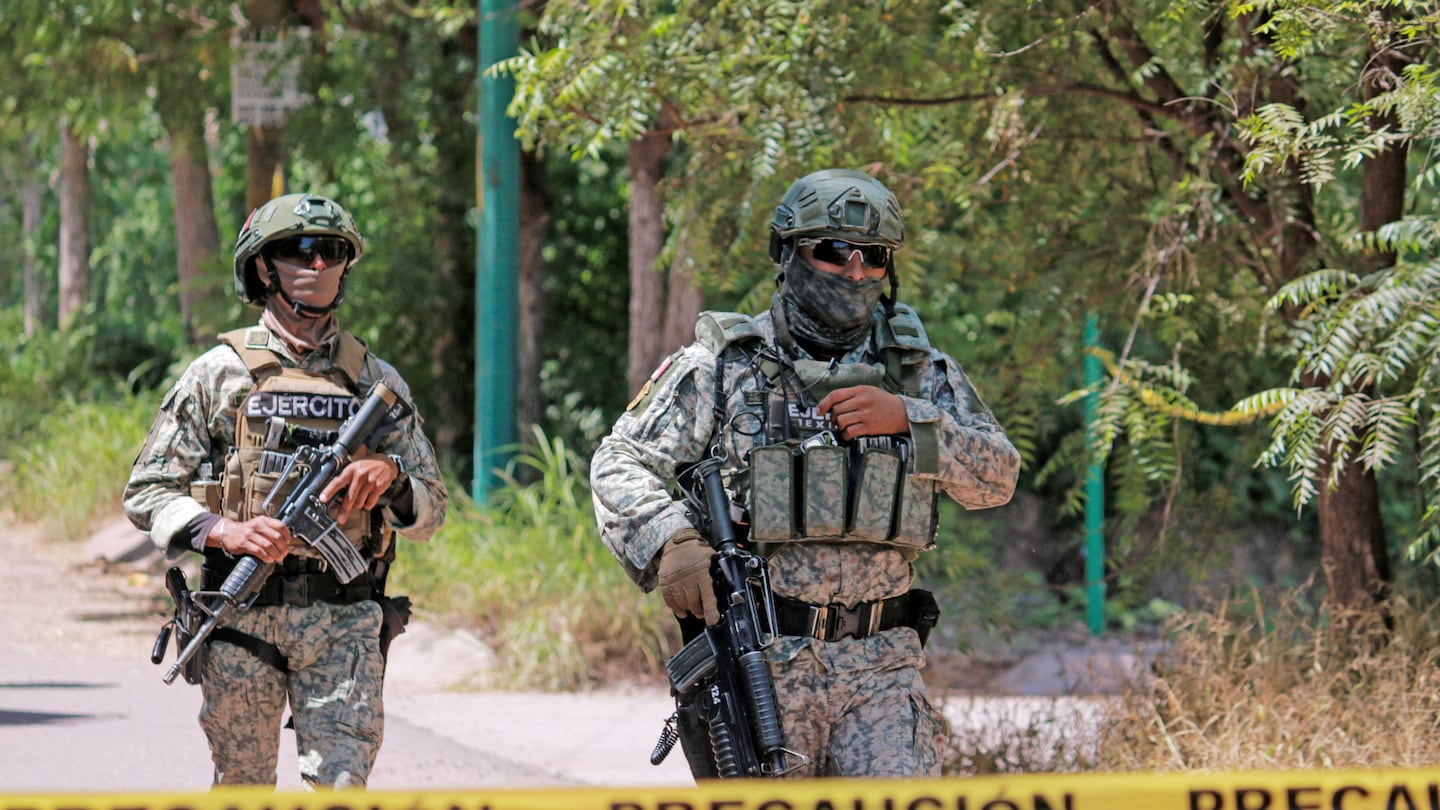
column 717, row 330
column 350, row 352
column 252, row 344
column 903, row 343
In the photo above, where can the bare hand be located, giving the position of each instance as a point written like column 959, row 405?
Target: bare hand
column 363, row 482
column 864, row 410
column 263, row 537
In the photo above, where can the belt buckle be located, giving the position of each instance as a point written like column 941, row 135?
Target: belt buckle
column 837, row 621
column 820, row 622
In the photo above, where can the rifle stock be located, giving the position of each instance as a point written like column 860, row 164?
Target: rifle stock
column 298, row 512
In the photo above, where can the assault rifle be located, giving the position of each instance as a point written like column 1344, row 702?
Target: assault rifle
column 307, row 518
column 727, row 715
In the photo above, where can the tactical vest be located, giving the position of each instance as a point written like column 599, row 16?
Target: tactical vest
column 286, row 409
column 802, row 482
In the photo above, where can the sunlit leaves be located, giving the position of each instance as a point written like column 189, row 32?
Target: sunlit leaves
column 1370, row 347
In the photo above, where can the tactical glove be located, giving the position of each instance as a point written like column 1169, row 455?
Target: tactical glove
column 685, row 581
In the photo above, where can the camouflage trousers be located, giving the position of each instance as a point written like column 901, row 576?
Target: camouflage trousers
column 858, row 708
column 333, row 689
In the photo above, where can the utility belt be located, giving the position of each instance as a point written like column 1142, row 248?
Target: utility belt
column 296, row 581
column 916, row 609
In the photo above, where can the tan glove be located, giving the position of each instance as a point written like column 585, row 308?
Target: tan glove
column 685, row 581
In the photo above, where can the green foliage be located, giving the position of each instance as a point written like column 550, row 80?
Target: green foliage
column 70, row 471
column 531, row 570
column 1052, row 163
column 101, row 359
column 1367, row 349
column 585, row 346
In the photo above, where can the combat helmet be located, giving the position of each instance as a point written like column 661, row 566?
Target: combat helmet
column 838, row 204
column 282, row 217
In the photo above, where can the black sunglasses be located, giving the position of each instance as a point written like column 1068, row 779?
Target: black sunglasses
column 332, row 249
column 839, row 251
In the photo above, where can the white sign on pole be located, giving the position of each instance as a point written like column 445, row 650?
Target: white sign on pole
column 265, row 74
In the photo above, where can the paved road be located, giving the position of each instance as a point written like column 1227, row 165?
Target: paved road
column 96, row 723
column 82, row 708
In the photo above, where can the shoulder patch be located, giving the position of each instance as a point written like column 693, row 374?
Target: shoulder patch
column 649, row 387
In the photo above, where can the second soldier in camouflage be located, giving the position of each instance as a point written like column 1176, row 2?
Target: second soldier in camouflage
column 839, row 426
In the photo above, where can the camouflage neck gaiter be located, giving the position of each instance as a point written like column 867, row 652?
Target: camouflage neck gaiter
column 825, row 310
column 301, row 334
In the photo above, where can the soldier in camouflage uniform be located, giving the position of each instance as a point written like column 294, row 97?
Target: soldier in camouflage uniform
column 838, row 425
column 207, row 465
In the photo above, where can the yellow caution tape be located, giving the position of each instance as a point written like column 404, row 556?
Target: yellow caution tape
column 1411, row 789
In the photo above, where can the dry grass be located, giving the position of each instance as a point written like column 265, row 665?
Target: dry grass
column 1239, row 687
column 1247, row 689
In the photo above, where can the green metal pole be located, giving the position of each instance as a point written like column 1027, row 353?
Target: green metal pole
column 498, row 236
column 1094, row 493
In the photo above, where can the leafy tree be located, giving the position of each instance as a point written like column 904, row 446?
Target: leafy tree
column 1055, row 159
column 1362, row 341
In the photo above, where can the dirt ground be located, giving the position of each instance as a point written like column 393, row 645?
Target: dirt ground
column 62, row 599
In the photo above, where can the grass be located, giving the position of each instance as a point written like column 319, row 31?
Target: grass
column 532, row 576
column 1246, row 687
column 72, row 471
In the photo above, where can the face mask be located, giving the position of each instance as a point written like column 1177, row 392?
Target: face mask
column 828, row 310
column 310, row 287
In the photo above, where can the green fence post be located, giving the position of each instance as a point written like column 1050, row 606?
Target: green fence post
column 1094, row 491
column 497, row 270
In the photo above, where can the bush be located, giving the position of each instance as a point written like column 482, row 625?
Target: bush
column 1244, row 687
column 532, row 576
column 72, row 470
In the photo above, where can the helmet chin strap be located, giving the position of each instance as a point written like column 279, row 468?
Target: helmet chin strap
column 889, row 300
column 302, row 309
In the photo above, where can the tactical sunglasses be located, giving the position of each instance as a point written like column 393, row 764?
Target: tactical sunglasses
column 332, row 249
column 839, row 251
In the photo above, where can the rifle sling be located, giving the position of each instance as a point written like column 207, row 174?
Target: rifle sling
column 263, row 650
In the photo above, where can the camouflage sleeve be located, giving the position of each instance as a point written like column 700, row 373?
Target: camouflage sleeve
column 429, row 497
column 973, row 461
column 157, row 498
column 670, row 423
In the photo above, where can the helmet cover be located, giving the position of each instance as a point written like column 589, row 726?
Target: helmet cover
column 281, row 218
column 838, row 204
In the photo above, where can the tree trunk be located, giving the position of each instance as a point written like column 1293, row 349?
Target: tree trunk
column 31, row 213
column 683, row 300
column 646, row 164
column 264, row 154
column 74, row 225
column 452, row 352
column 1357, row 568
column 264, row 149
column 197, row 237
column 1354, row 555
column 534, row 229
